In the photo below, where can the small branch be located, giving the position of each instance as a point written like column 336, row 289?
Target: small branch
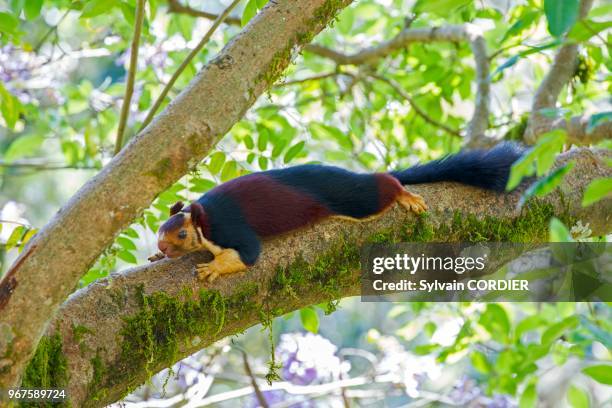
column 42, row 166
column 131, row 75
column 312, row 78
column 186, row 62
column 475, row 131
column 174, row 6
column 560, row 73
column 576, row 128
column 50, row 31
column 398, row 88
column 260, row 397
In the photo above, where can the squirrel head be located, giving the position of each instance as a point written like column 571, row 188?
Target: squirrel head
column 183, row 232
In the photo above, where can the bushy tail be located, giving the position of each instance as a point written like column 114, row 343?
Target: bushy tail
column 487, row 169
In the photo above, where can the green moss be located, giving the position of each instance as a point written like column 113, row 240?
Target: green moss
column 96, row 391
column 47, row 369
column 153, row 336
column 161, row 169
column 280, row 60
column 79, row 332
column 329, row 273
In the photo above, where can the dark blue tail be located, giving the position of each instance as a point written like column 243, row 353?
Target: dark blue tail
column 487, row 169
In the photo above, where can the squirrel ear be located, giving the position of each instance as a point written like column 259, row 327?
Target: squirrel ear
column 197, row 214
column 176, row 208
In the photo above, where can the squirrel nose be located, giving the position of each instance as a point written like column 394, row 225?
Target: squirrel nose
column 163, row 246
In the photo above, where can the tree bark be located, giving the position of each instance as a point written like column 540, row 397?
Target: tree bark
column 310, row 266
column 560, row 73
column 50, row 266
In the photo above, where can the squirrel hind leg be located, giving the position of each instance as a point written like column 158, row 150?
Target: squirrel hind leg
column 412, row 202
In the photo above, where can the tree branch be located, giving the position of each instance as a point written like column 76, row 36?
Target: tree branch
column 475, row 132
column 560, row 73
column 174, row 6
column 398, row 88
column 578, row 132
column 155, row 158
column 131, row 75
column 162, row 308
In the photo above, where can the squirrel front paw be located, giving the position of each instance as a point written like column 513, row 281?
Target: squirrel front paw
column 207, row 272
column 156, row 257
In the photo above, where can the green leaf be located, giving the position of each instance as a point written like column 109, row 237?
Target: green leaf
column 577, row 397
column 127, row 256
column 515, row 58
column 585, row 29
column 601, row 373
column 126, row 243
column 558, row 232
column 263, row 162
column 559, row 329
column 129, row 13
column 32, row 8
column 23, row 146
column 527, row 324
column 310, row 319
column 94, row 8
column 13, row 239
column 262, row 137
column 249, row 12
column 345, row 20
column 597, row 190
column 561, row 15
column 496, row 321
column 28, row 236
column 8, row 23
column 323, row 132
column 230, row 171
column 521, row 24
column 529, row 397
column 10, row 107
column 546, row 184
column 201, row 185
column 442, row 8
column 294, row 151
column 131, row 232
column 216, row 162
column 17, row 6
column 480, row 362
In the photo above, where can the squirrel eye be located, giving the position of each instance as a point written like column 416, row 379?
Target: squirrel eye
column 182, row 234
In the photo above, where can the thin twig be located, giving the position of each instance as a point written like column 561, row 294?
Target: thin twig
column 174, row 6
column 50, row 31
column 131, row 75
column 308, row 79
column 42, row 166
column 186, row 62
column 260, row 397
column 398, row 88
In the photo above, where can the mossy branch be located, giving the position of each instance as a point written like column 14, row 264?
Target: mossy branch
column 144, row 319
